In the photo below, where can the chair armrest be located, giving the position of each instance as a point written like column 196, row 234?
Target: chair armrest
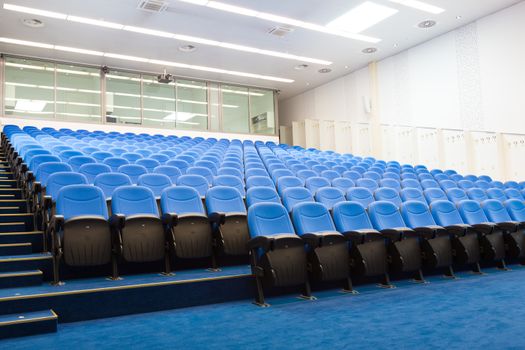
column 56, row 223
column 320, row 239
column 458, row 230
column 398, row 233
column 259, row 242
column 426, row 232
column 37, row 186
column 170, row 219
column 484, row 228
column 217, row 218
column 363, row 236
column 117, row 221
column 47, row 202
column 509, row 226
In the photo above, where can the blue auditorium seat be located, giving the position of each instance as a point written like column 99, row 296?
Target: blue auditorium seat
column 392, row 175
column 285, row 182
column 230, row 171
column 329, row 196
column 390, row 183
column 435, row 241
column 343, row 183
column 259, row 181
column 294, row 195
column 406, row 253
column 328, row 249
column 440, row 177
column 388, row 195
column 115, row 162
column 434, row 194
column 372, row 175
column 315, row 183
column 361, row 195
column 496, row 193
column 68, row 154
column 101, row 155
column 465, row 184
column 455, row 195
column 141, row 231
column 197, row 182
column 132, row 157
column 148, row 163
column 512, row 184
column 370, row 184
column 79, row 230
column 180, row 164
column 278, row 257
column 230, row 181
column 477, row 194
column 513, row 232
column 516, row 210
column 108, row 182
column 155, row 182
column 415, row 194
column 447, row 184
column 255, row 172
column 170, row 171
column 484, row 185
column 352, row 175
column 133, row 171
column 491, row 237
column 497, row 184
column 90, row 171
column 77, row 161
column 409, row 176
column 411, row 183
column 427, row 184
column 306, row 174
column 159, row 157
column 512, row 193
column 261, row 194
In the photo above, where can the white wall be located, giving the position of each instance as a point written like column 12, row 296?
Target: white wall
column 471, row 78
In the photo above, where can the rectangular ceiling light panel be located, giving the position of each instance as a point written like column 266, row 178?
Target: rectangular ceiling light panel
column 420, row 5
column 362, row 17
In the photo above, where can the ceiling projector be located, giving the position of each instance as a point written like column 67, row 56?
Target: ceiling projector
column 165, row 78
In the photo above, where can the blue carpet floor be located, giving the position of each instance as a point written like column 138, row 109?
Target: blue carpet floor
column 474, row 312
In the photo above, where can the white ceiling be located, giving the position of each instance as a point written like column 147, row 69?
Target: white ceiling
column 400, row 29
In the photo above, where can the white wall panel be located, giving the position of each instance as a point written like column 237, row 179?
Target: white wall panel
column 485, row 154
column 327, row 135
column 298, row 134
column 514, row 150
column 428, row 147
column 455, row 151
column 343, row 137
column 311, row 133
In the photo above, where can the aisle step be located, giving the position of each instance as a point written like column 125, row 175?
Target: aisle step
column 41, row 261
column 15, row 279
column 15, row 248
column 6, row 175
column 16, row 222
column 33, row 237
column 13, row 206
column 10, row 193
column 8, row 183
column 28, row 323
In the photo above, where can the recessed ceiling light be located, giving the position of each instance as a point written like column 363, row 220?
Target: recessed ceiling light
column 362, row 17
column 159, row 33
column 307, row 84
column 427, row 24
column 346, row 67
column 369, row 50
column 187, row 48
column 324, row 70
column 146, row 60
column 280, row 19
column 300, row 67
column 395, row 45
column 459, row 17
column 33, row 22
column 420, row 5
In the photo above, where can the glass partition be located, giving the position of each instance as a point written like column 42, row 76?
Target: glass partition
column 123, row 91
column 192, row 105
column 158, row 103
column 235, row 109
column 262, row 116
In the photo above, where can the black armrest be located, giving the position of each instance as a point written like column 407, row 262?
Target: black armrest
column 217, row 218
column 398, row 233
column 484, row 228
column 47, row 202
column 25, row 169
column 458, row 230
column 509, row 226
column 170, row 219
column 56, row 223
column 320, row 239
column 429, row 232
column 117, row 221
column 37, row 186
column 312, row 239
column 261, row 242
column 18, row 160
column 363, row 236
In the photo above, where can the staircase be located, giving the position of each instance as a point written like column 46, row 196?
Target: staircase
column 22, row 262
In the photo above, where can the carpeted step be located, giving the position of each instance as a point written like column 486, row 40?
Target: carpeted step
column 16, row 279
column 8, row 183
column 28, row 323
column 13, row 206
column 6, row 175
column 41, row 261
column 33, row 237
column 15, row 248
column 16, row 222
column 10, row 193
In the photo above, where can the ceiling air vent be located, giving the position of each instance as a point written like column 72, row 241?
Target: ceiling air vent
column 280, row 31
column 153, row 5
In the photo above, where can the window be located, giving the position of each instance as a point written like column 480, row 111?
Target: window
column 123, row 98
column 262, row 117
column 77, row 93
column 192, row 105
column 29, row 88
column 235, row 109
column 158, row 101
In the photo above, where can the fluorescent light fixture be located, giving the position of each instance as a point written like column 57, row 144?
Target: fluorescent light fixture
column 30, row 105
column 182, row 116
column 281, row 20
column 164, row 34
column 75, row 50
column 420, row 5
column 362, row 17
column 158, row 62
column 33, row 11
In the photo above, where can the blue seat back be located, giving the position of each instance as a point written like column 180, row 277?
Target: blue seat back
column 343, row 183
column 132, row 157
column 390, row 183
column 148, row 163
column 477, row 194
column 133, row 171
column 426, row 184
column 261, row 194
column 115, row 162
column 411, row 183
column 170, row 171
column 412, row 194
column 202, row 171
column 516, row 209
column 230, row 181
column 367, row 183
column 108, row 182
column 512, row 193
column 456, row 195
column 58, row 180
column 385, row 215
column 77, row 161
column 90, row 171
column 259, row 181
column 197, row 182
column 101, row 155
column 350, row 216
column 361, row 195
column 447, row 184
column 497, row 193
column 268, row 219
column 134, row 200
column 315, row 183
column 352, row 175
column 222, row 199
column 329, row 196
column 40, row 159
column 44, row 170
column 311, row 218
column 471, row 212
column 445, row 213
column 294, row 195
column 417, row 214
column 155, row 182
column 181, row 200
column 495, row 211
column 435, row 194
column 230, row 171
column 255, row 172
column 81, row 200
column 389, row 195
